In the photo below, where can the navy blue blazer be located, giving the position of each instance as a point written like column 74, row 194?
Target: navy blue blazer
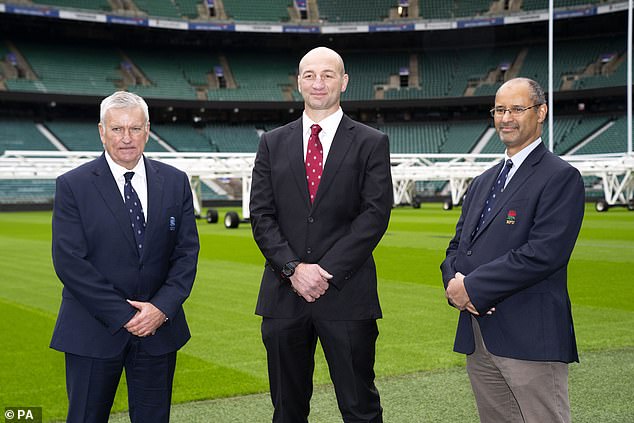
column 96, row 259
column 517, row 262
column 339, row 230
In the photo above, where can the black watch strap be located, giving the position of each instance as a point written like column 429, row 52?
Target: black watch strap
column 289, row 268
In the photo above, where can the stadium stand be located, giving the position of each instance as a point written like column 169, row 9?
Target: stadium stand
column 61, row 68
column 354, row 10
column 371, row 72
column 401, row 82
column 21, row 134
column 76, row 135
column 269, row 11
column 26, row 191
column 233, row 138
column 462, row 136
column 259, row 77
column 183, row 137
column 415, row 137
column 101, row 5
column 163, row 8
column 163, row 75
column 573, row 130
column 612, row 140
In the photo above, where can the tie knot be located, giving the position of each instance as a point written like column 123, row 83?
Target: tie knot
column 315, row 129
column 128, row 176
column 509, row 163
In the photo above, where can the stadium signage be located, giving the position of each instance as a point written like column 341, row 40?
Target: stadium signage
column 342, row 29
column 609, row 8
column 33, row 11
column 273, row 27
column 123, row 20
column 473, row 23
column 533, row 17
column 577, row 13
column 259, row 28
column 386, row 28
column 82, row 16
column 168, row 24
column 300, row 29
column 202, row 26
column 426, row 26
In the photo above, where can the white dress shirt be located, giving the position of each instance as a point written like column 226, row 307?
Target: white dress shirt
column 519, row 158
column 328, row 128
column 139, row 180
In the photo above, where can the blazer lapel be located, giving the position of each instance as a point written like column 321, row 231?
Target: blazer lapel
column 340, row 145
column 295, row 150
column 481, row 195
column 154, row 200
column 105, row 184
column 519, row 178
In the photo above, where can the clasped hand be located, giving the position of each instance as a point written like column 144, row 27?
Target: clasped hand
column 310, row 281
column 147, row 319
column 457, row 295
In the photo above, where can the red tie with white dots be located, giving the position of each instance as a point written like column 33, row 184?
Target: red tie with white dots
column 314, row 161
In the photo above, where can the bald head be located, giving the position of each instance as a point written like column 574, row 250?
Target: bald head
column 321, row 80
column 323, row 54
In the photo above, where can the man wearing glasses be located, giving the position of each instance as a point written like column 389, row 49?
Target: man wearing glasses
column 506, row 269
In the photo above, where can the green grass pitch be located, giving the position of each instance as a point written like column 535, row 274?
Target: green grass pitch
column 221, row 373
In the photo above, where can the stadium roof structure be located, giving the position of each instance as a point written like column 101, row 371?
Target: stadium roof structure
column 615, row 170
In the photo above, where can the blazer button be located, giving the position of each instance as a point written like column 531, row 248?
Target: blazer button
column 469, row 252
column 309, row 250
column 310, row 219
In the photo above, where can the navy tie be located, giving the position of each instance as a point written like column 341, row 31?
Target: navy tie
column 496, row 190
column 133, row 206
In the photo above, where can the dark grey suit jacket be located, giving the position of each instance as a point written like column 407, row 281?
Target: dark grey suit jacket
column 338, row 231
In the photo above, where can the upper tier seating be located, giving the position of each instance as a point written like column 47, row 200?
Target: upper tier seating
column 189, row 74
column 334, row 11
column 64, row 68
column 269, row 11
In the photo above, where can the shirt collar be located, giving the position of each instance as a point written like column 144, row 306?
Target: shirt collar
column 118, row 171
column 520, row 156
column 328, row 125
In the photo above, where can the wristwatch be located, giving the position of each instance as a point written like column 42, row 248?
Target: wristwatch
column 289, row 269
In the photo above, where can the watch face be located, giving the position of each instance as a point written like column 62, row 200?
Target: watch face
column 289, row 269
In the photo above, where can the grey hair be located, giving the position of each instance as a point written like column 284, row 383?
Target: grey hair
column 122, row 100
column 536, row 92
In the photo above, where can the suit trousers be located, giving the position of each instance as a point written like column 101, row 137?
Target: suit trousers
column 349, row 347
column 522, row 391
column 91, row 384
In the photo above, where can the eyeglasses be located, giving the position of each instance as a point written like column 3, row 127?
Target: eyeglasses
column 513, row 110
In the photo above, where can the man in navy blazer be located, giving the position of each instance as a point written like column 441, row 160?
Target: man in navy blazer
column 320, row 279
column 122, row 298
column 506, row 270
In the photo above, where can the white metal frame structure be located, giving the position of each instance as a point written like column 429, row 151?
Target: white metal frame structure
column 615, row 170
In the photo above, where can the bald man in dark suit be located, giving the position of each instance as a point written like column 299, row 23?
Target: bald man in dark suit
column 320, row 202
